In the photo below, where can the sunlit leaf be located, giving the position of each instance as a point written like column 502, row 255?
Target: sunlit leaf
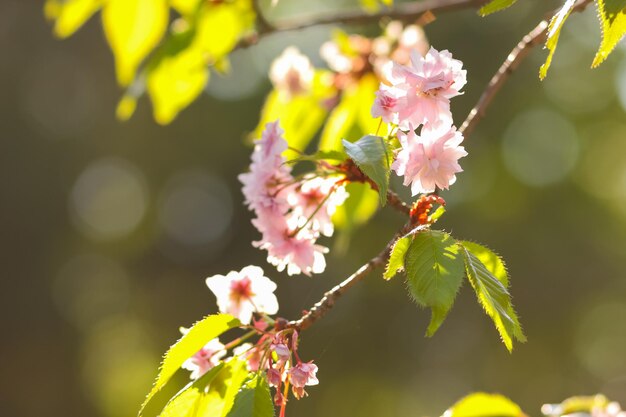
column 220, row 26
column 126, row 107
column 253, row 400
column 220, row 398
column 487, row 274
column 352, row 118
column 495, row 6
column 301, row 116
column 185, row 7
column 177, row 76
column 612, row 15
column 133, row 29
column 396, row 257
column 70, row 15
column 360, row 206
column 191, row 342
column 187, row 402
column 371, row 155
column 434, row 269
column 481, row 404
column 554, row 30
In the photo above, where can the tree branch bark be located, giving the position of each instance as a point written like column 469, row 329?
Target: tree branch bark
column 404, row 12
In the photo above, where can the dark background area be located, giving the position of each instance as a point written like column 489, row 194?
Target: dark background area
column 108, row 229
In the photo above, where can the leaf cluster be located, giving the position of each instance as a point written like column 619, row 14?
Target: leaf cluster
column 435, row 264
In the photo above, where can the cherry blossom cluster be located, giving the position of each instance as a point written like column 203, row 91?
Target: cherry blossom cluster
column 291, row 212
column 417, row 96
column 282, row 369
column 249, row 296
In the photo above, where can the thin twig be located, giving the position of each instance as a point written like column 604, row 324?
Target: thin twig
column 522, row 49
column 396, row 202
column 328, row 301
column 404, row 12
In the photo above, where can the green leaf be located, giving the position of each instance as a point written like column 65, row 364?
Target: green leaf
column 612, row 14
column 434, row 268
column 554, row 30
column 352, row 117
column 221, row 396
column 253, row 400
column 188, row 401
column 133, row 29
column 177, row 75
column 70, row 15
column 358, row 208
column 301, row 116
column 371, row 155
column 481, row 404
column 487, row 274
column 495, row 6
column 396, row 257
column 191, row 342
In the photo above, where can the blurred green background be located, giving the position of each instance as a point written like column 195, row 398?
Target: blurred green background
column 109, row 229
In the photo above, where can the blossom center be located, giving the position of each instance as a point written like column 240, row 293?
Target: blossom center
column 241, row 289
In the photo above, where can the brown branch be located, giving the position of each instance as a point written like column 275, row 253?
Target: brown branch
column 516, row 56
column 404, row 12
column 328, row 301
column 396, row 202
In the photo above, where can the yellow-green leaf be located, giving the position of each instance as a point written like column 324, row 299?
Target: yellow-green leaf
column 187, row 402
column 360, row 206
column 612, row 15
column 554, row 30
column 352, row 118
column 177, row 76
column 191, row 342
column 487, row 274
column 133, row 29
column 70, row 15
column 185, row 7
column 396, row 257
column 220, row 26
column 301, row 115
column 495, row 6
column 481, row 404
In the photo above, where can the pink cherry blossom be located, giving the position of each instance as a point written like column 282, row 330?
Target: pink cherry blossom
column 315, row 201
column 205, row 359
column 244, row 292
column 251, row 354
column 429, row 160
column 429, row 84
column 420, row 93
column 386, row 104
column 282, row 351
column 274, row 377
column 297, row 252
column 301, row 375
column 262, row 185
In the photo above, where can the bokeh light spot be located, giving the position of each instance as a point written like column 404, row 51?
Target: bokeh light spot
column 195, row 208
column 90, row 288
column 109, row 199
column 540, row 147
